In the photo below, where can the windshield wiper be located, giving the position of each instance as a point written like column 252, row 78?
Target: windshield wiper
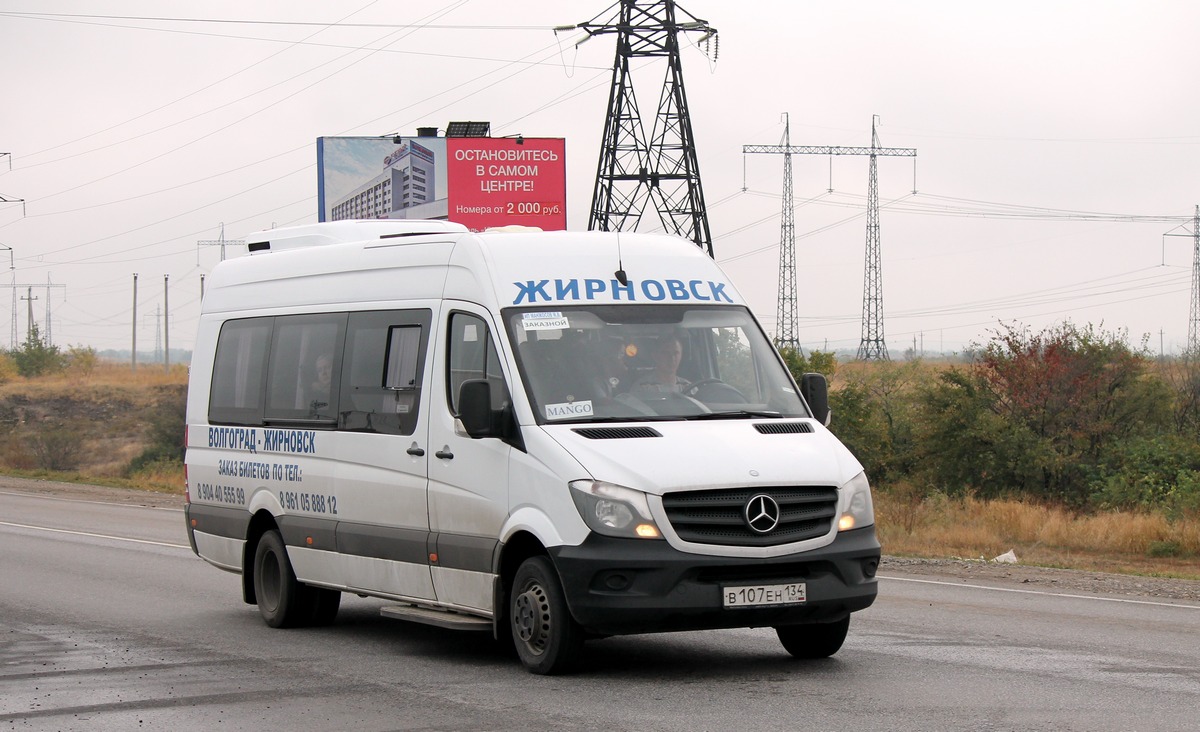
column 737, row 414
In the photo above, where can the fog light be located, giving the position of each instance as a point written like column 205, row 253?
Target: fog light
column 616, row 582
column 869, row 567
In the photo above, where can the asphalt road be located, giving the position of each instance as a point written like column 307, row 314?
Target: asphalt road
column 109, row 622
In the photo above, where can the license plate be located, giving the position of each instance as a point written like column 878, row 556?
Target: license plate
column 793, row 593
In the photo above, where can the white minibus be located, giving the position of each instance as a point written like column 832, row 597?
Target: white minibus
column 548, row 436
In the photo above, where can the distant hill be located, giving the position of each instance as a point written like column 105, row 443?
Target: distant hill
column 145, row 357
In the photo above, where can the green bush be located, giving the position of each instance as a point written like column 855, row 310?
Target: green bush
column 874, row 415
column 165, row 433
column 816, row 362
column 36, row 357
column 1153, row 472
column 8, row 368
column 55, row 448
column 1040, row 414
column 81, row 360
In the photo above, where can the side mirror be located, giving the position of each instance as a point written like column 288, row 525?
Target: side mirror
column 475, row 408
column 815, row 391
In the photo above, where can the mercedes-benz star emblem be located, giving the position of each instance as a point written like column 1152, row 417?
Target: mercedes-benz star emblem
column 762, row 514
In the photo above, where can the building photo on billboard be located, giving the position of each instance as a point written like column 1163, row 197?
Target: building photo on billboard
column 465, row 177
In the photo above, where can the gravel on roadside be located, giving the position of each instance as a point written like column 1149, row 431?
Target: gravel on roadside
column 1058, row 580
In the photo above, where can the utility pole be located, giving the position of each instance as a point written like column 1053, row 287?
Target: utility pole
column 134, row 343
column 29, row 323
column 220, row 241
column 635, row 169
column 12, row 268
column 166, row 328
column 872, row 346
column 788, row 309
column 1193, row 341
column 49, row 339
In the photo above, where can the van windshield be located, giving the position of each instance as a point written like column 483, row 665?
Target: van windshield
column 608, row 363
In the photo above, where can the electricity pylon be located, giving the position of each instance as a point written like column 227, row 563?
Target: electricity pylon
column 872, row 346
column 1193, row 341
column 635, row 169
column 788, row 307
column 220, row 242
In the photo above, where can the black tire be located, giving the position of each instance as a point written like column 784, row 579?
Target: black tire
column 281, row 599
column 547, row 638
column 323, row 605
column 814, row 640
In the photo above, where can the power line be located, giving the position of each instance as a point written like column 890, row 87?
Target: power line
column 300, row 23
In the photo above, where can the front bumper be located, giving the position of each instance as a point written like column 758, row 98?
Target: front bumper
column 622, row 586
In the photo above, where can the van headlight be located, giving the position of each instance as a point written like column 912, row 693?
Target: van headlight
column 859, row 510
column 614, row 510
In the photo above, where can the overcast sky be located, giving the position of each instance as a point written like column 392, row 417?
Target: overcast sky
column 1057, row 142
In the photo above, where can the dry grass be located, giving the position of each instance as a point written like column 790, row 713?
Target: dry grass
column 1115, row 541
column 106, row 378
column 103, row 413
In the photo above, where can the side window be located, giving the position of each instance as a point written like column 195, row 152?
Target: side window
column 735, row 362
column 473, row 355
column 305, row 363
column 239, row 372
column 381, row 380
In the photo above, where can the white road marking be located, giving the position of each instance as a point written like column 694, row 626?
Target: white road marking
column 97, row 536
column 84, row 500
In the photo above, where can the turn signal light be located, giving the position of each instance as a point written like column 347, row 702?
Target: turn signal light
column 846, row 522
column 647, row 531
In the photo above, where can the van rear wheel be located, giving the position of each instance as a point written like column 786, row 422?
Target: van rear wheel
column 281, row 599
column 814, row 640
column 323, row 605
column 547, row 638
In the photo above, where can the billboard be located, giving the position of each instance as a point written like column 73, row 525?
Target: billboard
column 475, row 181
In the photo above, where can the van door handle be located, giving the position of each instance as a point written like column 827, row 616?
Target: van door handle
column 415, row 450
column 445, row 453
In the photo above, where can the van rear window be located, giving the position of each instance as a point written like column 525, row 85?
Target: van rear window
column 359, row 372
column 239, row 373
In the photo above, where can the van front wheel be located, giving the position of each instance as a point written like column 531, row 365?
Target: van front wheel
column 547, row 638
column 814, row 640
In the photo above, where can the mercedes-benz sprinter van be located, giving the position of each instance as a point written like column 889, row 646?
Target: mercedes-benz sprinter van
column 549, row 436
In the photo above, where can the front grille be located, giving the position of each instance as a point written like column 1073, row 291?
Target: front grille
column 718, row 516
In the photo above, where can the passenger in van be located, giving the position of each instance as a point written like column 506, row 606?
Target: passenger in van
column 666, row 355
column 609, row 368
column 319, row 388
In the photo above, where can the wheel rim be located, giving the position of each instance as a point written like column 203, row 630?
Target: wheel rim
column 531, row 617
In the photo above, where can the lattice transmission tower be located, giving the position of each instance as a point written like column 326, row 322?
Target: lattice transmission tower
column 636, row 169
column 1192, row 350
column 1193, row 341
column 788, row 311
column 872, row 346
